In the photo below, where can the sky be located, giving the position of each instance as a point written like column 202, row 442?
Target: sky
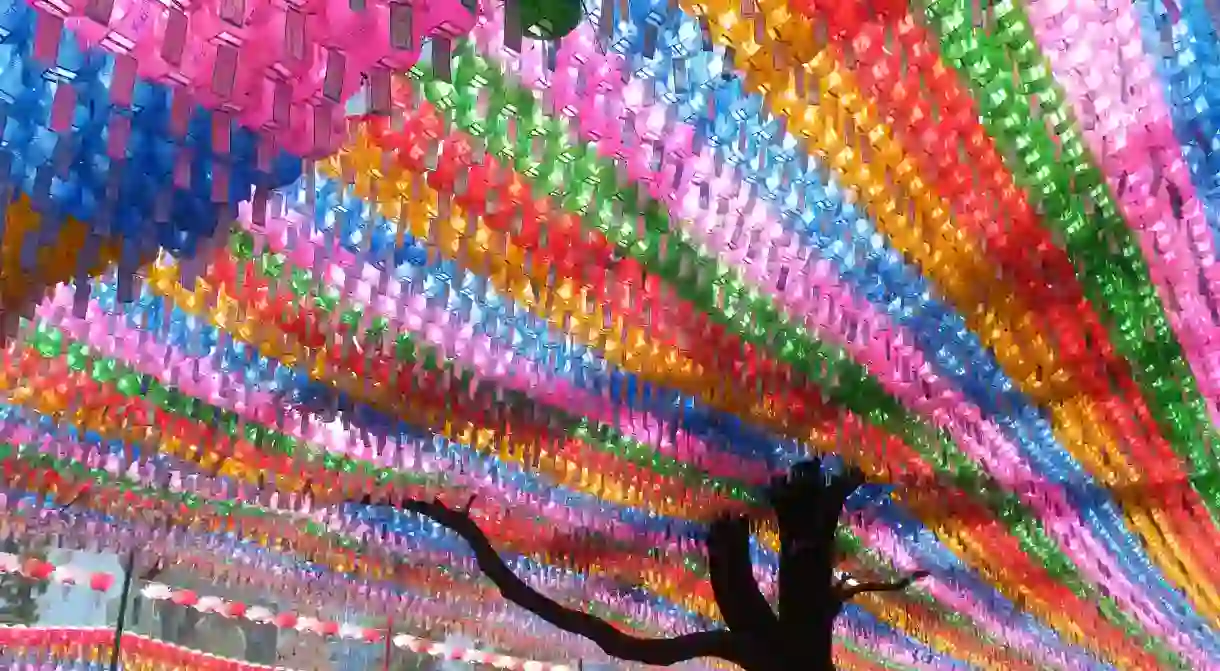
column 80, row 606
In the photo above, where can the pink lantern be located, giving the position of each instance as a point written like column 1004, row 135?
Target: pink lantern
column 284, row 69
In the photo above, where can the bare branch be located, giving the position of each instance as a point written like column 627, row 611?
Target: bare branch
column 846, row 483
column 742, row 605
column 84, row 490
column 846, row 593
column 154, row 571
column 657, row 652
column 841, row 488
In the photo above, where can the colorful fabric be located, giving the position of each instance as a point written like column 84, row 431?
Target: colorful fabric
column 613, row 283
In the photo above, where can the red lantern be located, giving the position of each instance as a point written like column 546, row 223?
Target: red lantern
column 37, row 569
column 185, row 598
column 101, row 582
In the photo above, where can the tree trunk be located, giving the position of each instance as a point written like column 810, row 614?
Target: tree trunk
column 788, row 655
column 799, row 637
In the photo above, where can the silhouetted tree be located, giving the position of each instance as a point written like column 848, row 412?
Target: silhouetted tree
column 797, row 634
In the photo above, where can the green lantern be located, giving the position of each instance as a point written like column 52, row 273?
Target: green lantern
column 550, row 19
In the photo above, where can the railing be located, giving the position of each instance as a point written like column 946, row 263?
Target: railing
column 19, row 644
column 189, row 625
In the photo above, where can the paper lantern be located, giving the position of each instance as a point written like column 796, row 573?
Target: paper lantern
column 145, row 127
column 101, row 582
column 550, row 19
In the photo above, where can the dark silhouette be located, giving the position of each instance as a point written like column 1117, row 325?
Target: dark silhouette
column 794, row 636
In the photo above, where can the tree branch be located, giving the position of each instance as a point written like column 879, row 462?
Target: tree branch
column 657, row 652
column 797, row 495
column 154, row 571
column 846, row 483
column 849, row 592
column 742, row 605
